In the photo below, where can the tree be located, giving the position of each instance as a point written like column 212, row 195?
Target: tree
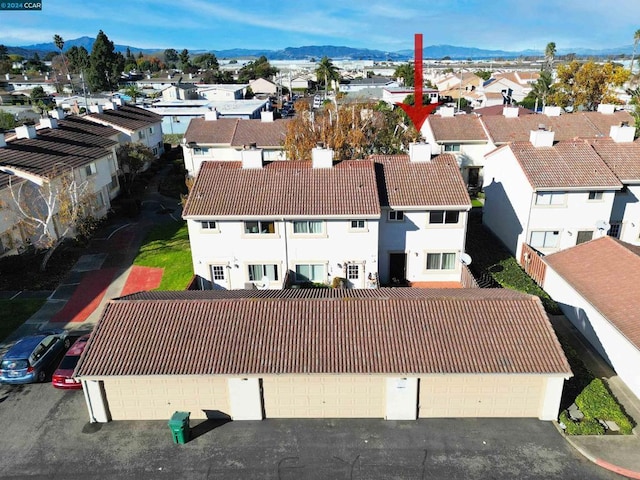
column 549, row 55
column 39, row 99
column 78, row 59
column 328, row 71
column 5, row 63
column 636, row 39
column 170, row 57
column 132, row 157
column 105, row 65
column 134, row 92
column 406, row 72
column 586, row 85
column 206, row 61
column 540, row 91
column 260, row 68
column 52, row 208
column 484, row 74
column 7, row 121
column 184, row 59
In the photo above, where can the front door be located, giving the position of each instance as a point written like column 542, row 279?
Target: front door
column 397, row 268
column 219, row 277
column 355, row 275
column 474, row 177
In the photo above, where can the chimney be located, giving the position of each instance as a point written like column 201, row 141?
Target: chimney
column 111, row 105
column 95, row 108
column 447, row 111
column 419, row 152
column 266, row 117
column 48, row 122
column 58, row 113
column 211, row 115
column 622, row 133
column 148, row 76
column 3, row 142
column 26, row 78
column 541, row 137
column 7, row 76
column 606, row 108
column 321, row 157
column 551, row 111
column 251, row 157
column 510, row 112
column 26, row 131
column 46, row 77
column 191, row 76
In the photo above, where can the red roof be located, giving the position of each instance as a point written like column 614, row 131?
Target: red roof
column 468, row 332
column 237, row 132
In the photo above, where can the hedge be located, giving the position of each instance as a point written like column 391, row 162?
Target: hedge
column 596, row 402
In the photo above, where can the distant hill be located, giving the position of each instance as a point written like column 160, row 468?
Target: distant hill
column 435, row 52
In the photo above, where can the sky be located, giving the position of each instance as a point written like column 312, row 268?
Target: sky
column 510, row 25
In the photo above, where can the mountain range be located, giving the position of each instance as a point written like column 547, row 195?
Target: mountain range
column 435, row 52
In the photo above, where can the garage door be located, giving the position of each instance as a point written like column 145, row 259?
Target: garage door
column 324, row 397
column 481, row 396
column 144, row 398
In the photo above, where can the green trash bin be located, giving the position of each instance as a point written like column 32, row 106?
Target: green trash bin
column 179, row 425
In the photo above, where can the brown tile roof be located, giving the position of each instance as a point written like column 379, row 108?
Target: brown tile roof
column 566, row 127
column 74, row 143
column 622, row 158
column 459, row 128
column 565, row 165
column 472, row 333
column 499, row 110
column 403, row 183
column 237, row 132
column 291, row 188
column 127, row 117
column 606, row 272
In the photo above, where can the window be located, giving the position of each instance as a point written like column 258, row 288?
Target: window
column 614, row 230
column 396, row 216
column 595, row 195
column 313, row 227
column 584, row 236
column 358, row 224
column 444, row 216
column 217, row 272
column 209, row 225
column 260, row 227
column 257, row 272
column 155, row 151
column 90, row 169
column 150, row 130
column 201, row 151
column 550, row 198
column 452, row 147
column 441, row 261
column 114, row 182
column 545, row 239
column 312, row 272
column 353, row 272
column 141, row 134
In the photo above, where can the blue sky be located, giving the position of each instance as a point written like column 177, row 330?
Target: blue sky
column 382, row 25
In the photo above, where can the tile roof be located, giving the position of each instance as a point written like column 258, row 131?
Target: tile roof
column 290, row 189
column 622, row 158
column 128, row 117
column 472, row 333
column 606, row 272
column 403, row 183
column 499, row 110
column 571, row 164
column 566, row 127
column 459, row 128
column 76, row 142
column 237, row 132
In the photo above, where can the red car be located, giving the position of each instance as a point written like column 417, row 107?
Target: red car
column 63, row 376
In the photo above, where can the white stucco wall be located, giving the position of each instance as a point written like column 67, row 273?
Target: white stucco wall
column 626, row 208
column 335, row 247
column 550, row 407
column 96, row 401
column 615, row 348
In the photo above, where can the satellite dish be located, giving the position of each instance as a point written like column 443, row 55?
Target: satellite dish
column 465, row 258
column 603, row 225
column 263, row 284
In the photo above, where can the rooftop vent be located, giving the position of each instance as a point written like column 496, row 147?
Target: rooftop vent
column 541, row 137
column 551, row 111
column 321, row 157
column 266, row 117
column 420, row 152
column 251, row 157
column 622, row 133
column 26, row 131
column 49, row 122
column 95, row 108
column 3, row 142
column 447, row 111
column 606, row 108
column 510, row 112
column 58, row 113
column 211, row 115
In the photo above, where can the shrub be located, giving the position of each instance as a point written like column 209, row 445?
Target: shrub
column 339, row 282
column 586, row 426
column 597, row 402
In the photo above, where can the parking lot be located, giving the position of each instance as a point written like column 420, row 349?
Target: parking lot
column 46, row 434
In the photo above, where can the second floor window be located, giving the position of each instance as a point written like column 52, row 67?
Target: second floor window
column 209, row 225
column 358, row 224
column 313, row 227
column 452, row 147
column 550, row 198
column 396, row 216
column 260, row 227
column 444, row 216
column 596, row 195
column 90, row 169
column 547, row 239
column 201, row 151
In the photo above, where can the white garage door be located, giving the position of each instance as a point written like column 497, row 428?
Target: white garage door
column 157, row 398
column 324, row 396
column 481, row 396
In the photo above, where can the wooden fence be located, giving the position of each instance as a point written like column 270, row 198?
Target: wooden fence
column 532, row 263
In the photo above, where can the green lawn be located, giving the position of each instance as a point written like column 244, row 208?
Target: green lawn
column 167, row 246
column 14, row 313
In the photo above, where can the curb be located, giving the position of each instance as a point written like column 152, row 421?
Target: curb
column 598, row 461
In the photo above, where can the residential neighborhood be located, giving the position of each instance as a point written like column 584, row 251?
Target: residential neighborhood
column 260, row 262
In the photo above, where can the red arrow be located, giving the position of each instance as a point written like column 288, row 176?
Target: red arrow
column 417, row 112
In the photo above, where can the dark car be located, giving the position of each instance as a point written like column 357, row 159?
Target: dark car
column 63, row 376
column 32, row 357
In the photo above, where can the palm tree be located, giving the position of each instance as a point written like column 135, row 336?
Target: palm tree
column 542, row 88
column 133, row 91
column 636, row 39
column 327, row 70
column 406, row 72
column 550, row 54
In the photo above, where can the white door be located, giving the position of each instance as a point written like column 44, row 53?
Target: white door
column 355, row 275
column 220, row 277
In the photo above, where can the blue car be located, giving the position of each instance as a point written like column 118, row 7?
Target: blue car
column 32, row 358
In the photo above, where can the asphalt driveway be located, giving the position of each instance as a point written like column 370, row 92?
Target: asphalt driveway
column 46, row 434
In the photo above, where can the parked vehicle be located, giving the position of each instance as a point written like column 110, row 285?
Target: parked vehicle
column 63, row 376
column 32, row 358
